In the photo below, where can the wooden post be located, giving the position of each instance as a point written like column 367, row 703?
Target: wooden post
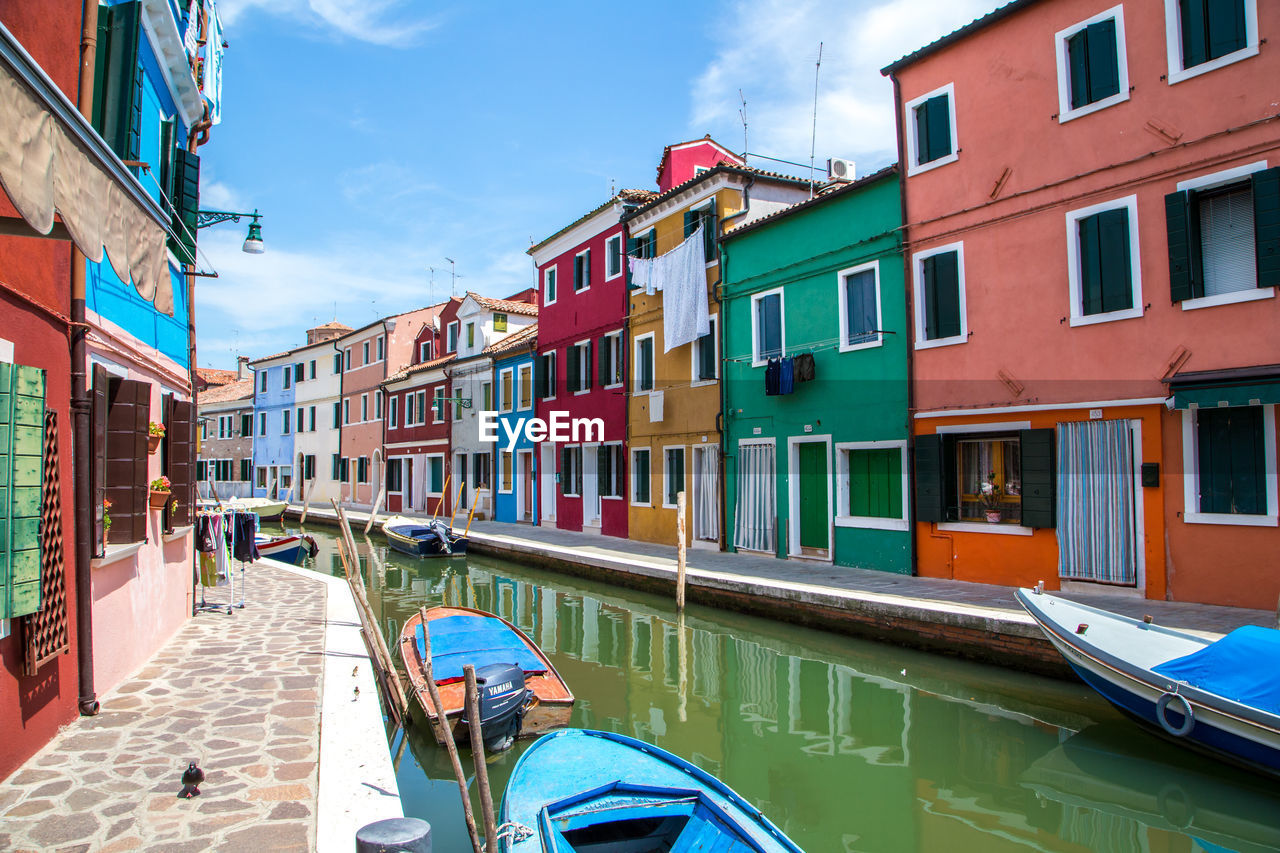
column 444, row 491
column 680, row 552
column 446, row 737
column 307, row 494
column 454, row 514
column 477, row 755
column 377, row 505
column 474, row 500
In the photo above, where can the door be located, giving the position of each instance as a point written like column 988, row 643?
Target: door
column 815, row 522
column 590, row 486
column 461, row 482
column 525, row 507
column 1097, row 509
column 547, row 477
column 706, row 493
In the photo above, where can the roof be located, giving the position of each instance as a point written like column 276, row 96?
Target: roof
column 507, row 306
column 277, row 355
column 334, row 324
column 968, row 29
column 213, row 376
column 718, row 169
column 528, row 336
column 666, row 149
column 370, row 325
column 241, row 389
column 415, row 369
column 626, row 196
column 831, row 192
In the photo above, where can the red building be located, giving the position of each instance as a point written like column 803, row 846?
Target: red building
column 582, row 284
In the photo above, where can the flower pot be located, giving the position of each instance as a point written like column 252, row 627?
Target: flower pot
column 153, row 443
column 159, row 499
column 993, row 516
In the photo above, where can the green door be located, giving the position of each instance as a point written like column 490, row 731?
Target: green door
column 814, row 520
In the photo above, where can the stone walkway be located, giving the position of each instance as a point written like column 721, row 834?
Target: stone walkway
column 240, row 694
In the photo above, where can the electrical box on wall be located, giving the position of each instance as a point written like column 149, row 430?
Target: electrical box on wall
column 1150, row 474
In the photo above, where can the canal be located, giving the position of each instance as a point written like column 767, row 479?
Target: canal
column 846, row 745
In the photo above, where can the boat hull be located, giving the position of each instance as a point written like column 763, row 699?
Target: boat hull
column 424, row 546
column 286, row 549
column 1220, row 727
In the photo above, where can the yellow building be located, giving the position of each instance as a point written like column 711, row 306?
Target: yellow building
column 673, row 411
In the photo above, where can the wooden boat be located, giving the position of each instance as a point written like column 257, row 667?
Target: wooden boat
column 1221, row 697
column 267, row 509
column 582, row 791
column 460, row 636
column 287, row 549
column 423, row 538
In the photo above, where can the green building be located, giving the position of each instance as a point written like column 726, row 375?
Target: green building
column 813, row 305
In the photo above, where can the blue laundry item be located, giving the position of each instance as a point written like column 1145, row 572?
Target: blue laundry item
column 460, row 640
column 1242, row 666
column 787, row 376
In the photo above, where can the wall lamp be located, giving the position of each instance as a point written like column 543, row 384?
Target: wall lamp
column 252, row 243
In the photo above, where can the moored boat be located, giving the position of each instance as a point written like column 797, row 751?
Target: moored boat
column 1218, row 696
column 583, row 791
column 290, row 549
column 266, row 509
column 423, row 538
column 504, row 657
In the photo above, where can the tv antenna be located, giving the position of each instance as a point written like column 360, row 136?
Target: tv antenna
column 453, row 278
column 742, row 113
column 813, row 143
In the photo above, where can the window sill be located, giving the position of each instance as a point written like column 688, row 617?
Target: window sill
column 1230, row 519
column 1108, row 317
column 1180, row 74
column 642, row 506
column 943, row 342
column 983, row 527
column 611, row 497
column 702, row 383
column 1251, row 295
column 920, row 168
column 878, row 342
column 116, row 553
column 1069, row 115
column 867, row 523
column 177, row 533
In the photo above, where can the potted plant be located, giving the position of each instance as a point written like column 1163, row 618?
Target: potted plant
column 106, row 520
column 155, row 432
column 161, row 490
column 990, row 498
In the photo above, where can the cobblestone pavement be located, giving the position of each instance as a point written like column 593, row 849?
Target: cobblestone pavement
column 240, row 694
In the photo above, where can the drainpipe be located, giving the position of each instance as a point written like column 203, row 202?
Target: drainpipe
column 342, row 377
column 81, row 405
column 909, row 337
column 198, row 135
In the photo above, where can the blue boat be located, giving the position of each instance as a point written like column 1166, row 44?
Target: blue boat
column 1220, row 697
column 419, row 538
column 583, row 791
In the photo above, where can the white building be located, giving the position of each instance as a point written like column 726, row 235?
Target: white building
column 317, row 400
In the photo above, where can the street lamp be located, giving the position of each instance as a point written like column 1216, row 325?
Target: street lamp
column 252, row 243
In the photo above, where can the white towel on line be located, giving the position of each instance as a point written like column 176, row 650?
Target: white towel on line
column 681, row 275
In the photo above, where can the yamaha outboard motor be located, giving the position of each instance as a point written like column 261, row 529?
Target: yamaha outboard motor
column 503, row 701
column 443, row 533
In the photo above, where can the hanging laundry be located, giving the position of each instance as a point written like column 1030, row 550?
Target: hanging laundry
column 681, row 275
column 786, row 376
column 772, row 377
column 804, row 367
column 246, row 546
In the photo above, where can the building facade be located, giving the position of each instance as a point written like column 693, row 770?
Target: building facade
column 817, row 288
column 515, row 463
column 1093, row 387
column 224, row 418
column 317, row 401
column 274, row 425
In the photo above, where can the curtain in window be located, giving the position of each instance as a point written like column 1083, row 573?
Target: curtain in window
column 706, row 523
column 1229, row 261
column 1096, row 535
column 757, row 511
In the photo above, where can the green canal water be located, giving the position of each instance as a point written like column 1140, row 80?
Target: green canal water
column 846, row 745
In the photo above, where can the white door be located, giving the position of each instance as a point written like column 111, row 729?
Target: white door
column 547, row 477
column 461, row 482
column 706, row 493
column 590, row 486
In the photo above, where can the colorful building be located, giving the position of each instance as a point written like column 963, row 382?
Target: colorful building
column 224, row 424
column 581, row 279
column 317, row 401
column 816, row 468
column 1094, row 378
column 274, row 426
column 515, row 463
column 674, row 396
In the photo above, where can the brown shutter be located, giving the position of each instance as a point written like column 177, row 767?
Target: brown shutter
column 128, row 413
column 98, row 465
column 46, row 632
column 179, row 458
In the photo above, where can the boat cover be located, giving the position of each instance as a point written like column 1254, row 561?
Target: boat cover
column 460, row 640
column 1243, row 666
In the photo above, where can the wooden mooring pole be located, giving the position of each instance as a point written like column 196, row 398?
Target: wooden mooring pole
column 680, row 557
column 377, row 505
column 477, row 755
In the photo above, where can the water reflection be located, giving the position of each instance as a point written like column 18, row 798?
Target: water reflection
column 846, row 745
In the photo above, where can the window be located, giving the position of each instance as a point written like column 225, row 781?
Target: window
column 578, row 376
column 610, row 349
column 613, row 257
column 364, row 354
column 346, row 359
column 471, row 335
column 382, row 347
column 262, row 423
column 989, row 474
column 645, row 245
column 301, row 421
column 286, row 374
column 939, row 297
column 364, row 408
column 640, row 477
column 706, row 355
column 505, row 394
column 525, row 398
column 261, row 482
column 871, row 486
column 480, row 466
column 1092, row 69
column 672, row 475
column 336, row 468
column 311, row 418
column 337, row 415
column 337, row 363
column 1102, row 268
column 437, row 406
column 435, row 474
column 346, row 411
column 246, row 425
column 546, row 376
column 451, row 334
column 392, row 404
column 262, row 380
column 362, row 469
column 582, row 270
column 504, row 468
column 409, row 409
column 311, row 369
column 1000, row 478
column 931, row 130
column 549, row 286
column 245, row 464
column 309, row 467
column 1204, row 35
column 202, row 470
column 284, row 422
column 299, row 372
column 859, row 298
column 571, row 471
column 1230, row 455
column 610, row 474
column 768, row 340
column 395, row 480
column 422, row 406
column 1214, row 223
column 457, row 406
column 424, row 351
column 499, row 322
column 643, row 376
column 486, row 395
column 706, row 217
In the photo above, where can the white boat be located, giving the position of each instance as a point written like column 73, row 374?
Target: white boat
column 266, row 508
column 1219, row 696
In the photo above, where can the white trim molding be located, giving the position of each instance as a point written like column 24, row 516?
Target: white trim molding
column 1173, row 42
column 913, row 144
column 917, row 288
column 756, row 359
column 841, row 514
column 1191, row 476
column 1065, row 111
column 842, row 300
column 1077, row 315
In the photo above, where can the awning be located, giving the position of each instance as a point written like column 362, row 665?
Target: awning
column 51, row 159
column 1240, row 386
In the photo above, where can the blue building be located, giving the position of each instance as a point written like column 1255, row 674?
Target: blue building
column 515, row 463
column 275, row 420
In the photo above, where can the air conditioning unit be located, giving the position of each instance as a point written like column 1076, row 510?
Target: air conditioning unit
column 840, row 170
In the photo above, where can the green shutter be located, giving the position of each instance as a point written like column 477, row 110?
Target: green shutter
column 118, row 78
column 586, row 371
column 1104, row 63
column 1117, row 271
column 646, row 364
column 941, row 296
column 186, row 203
column 1037, row 447
column 642, row 476
column 690, row 221
column 1195, row 33
column 565, row 479
column 938, row 127
column 604, row 368
column 930, row 500
column 1266, row 225
column 1184, row 246
column 1232, row 460
column 22, row 392
column 1078, row 63
column 922, row 134
column 707, row 355
column 571, row 376
column 1226, row 26
column 709, row 231
column 539, row 377
column 875, row 483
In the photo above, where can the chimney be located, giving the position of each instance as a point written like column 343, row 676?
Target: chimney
column 242, row 367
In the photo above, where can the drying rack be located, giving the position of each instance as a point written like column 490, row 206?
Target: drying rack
column 231, row 605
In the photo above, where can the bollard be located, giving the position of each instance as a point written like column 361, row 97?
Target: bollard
column 395, row 835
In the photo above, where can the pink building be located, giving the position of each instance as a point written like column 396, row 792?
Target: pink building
column 580, row 365
column 1093, row 245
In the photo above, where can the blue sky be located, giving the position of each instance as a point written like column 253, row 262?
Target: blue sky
column 379, row 137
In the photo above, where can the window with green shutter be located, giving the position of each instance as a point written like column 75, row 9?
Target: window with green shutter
column 640, row 476
column 1093, row 63
column 940, row 295
column 186, row 203
column 582, row 271
column 706, row 217
column 874, row 488
column 1211, row 29
column 22, row 391
column 933, row 129
column 705, row 353
column 1106, row 276
column 769, row 341
column 674, row 470
column 644, row 363
column 118, row 77
column 1231, row 460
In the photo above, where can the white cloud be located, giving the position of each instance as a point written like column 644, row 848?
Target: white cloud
column 384, row 22
column 767, row 48
column 219, row 196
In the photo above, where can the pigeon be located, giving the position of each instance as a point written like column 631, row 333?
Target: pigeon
column 191, row 779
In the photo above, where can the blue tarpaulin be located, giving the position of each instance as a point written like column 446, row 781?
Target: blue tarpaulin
column 1243, row 666
column 460, row 640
